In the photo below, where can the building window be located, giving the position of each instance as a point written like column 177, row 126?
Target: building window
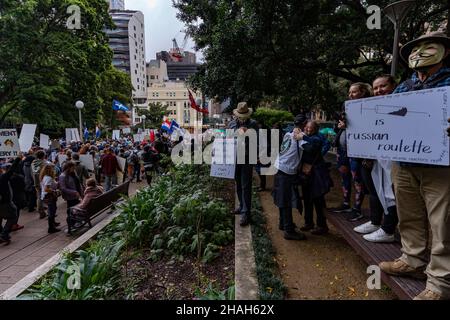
column 135, row 71
column 152, row 77
column 134, row 28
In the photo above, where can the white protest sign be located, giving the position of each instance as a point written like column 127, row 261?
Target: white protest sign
column 27, row 136
column 126, row 130
column 88, row 161
column 76, row 135
column 116, row 135
column 223, row 159
column 72, row 134
column 44, row 141
column 407, row 127
column 137, row 138
column 9, row 143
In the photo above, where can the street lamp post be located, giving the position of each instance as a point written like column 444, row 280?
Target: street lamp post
column 396, row 12
column 80, row 105
column 143, row 120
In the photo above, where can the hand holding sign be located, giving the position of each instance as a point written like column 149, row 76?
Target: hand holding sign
column 448, row 129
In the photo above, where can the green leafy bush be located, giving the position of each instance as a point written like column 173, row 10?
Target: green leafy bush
column 269, row 117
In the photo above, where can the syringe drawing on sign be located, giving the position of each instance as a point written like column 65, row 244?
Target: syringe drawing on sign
column 399, row 111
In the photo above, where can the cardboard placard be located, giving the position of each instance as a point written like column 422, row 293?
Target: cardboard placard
column 44, row 141
column 27, row 136
column 9, row 143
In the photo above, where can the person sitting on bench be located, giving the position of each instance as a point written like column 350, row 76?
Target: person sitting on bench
column 92, row 191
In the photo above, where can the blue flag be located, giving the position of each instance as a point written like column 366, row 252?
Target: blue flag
column 86, row 133
column 98, row 133
column 118, row 106
column 174, row 125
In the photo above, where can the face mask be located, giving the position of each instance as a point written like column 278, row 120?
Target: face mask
column 426, row 54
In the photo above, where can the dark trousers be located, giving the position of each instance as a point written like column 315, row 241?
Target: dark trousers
column 136, row 172
column 51, row 208
column 243, row 177
column 31, row 199
column 376, row 208
column 70, row 204
column 310, row 203
column 390, row 220
column 9, row 213
column 286, row 220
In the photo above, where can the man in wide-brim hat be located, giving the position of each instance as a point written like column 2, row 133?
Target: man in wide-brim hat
column 423, row 191
column 244, row 171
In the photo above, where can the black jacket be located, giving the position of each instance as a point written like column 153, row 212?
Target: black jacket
column 5, row 189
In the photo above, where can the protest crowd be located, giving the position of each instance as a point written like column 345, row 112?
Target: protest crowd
column 409, row 197
column 35, row 180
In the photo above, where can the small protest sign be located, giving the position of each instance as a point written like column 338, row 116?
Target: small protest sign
column 9, row 143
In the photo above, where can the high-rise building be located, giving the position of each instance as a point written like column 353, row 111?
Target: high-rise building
column 116, row 5
column 128, row 44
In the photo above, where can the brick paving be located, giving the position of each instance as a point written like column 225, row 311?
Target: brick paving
column 32, row 246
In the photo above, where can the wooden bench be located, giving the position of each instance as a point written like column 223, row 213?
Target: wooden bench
column 97, row 206
column 374, row 253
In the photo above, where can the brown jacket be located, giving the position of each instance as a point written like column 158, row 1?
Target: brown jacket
column 89, row 194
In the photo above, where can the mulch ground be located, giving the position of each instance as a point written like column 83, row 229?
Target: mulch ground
column 179, row 280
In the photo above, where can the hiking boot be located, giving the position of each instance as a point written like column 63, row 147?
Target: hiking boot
column 307, row 227
column 428, row 295
column 320, row 231
column 355, row 215
column 53, row 230
column 343, row 208
column 293, row 235
column 401, row 269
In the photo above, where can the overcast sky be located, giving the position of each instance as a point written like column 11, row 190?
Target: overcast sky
column 161, row 26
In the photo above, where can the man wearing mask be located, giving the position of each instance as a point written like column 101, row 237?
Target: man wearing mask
column 423, row 191
column 244, row 171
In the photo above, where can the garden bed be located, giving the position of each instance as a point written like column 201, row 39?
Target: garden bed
column 174, row 240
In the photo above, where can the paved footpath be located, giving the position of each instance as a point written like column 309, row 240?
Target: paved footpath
column 32, row 246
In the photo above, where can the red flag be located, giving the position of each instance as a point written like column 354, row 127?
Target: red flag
column 195, row 106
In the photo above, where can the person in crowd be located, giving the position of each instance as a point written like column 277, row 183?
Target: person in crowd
column 244, row 171
column 264, row 147
column 50, row 194
column 150, row 159
column 36, row 168
column 285, row 190
column 17, row 183
column 8, row 210
column 93, row 190
column 30, row 190
column 134, row 162
column 316, row 179
column 350, row 168
column 110, row 166
column 68, row 158
column 80, row 169
column 377, row 179
column 423, row 191
column 70, row 186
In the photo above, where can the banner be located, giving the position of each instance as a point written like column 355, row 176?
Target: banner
column 406, row 127
column 27, row 136
column 44, row 141
column 9, row 143
column 126, row 130
column 72, row 134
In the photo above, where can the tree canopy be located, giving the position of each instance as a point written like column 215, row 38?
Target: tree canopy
column 298, row 54
column 46, row 66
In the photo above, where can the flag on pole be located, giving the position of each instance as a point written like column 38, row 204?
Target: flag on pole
column 194, row 104
column 174, row 125
column 86, row 133
column 97, row 132
column 118, row 106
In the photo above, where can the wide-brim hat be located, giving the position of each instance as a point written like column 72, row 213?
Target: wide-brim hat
column 437, row 36
column 243, row 111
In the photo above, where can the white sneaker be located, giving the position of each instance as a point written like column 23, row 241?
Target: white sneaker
column 367, row 227
column 379, row 236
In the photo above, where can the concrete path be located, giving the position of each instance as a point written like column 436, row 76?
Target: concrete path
column 32, row 246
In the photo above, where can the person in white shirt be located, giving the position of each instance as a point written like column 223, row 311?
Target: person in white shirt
column 285, row 191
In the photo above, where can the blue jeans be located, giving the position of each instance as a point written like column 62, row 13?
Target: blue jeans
column 110, row 181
